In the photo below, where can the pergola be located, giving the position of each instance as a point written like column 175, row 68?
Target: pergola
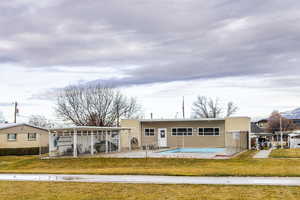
column 68, row 138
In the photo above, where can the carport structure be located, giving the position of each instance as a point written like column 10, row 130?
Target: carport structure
column 80, row 140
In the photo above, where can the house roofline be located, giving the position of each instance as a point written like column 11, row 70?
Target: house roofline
column 87, row 128
column 20, row 124
column 189, row 120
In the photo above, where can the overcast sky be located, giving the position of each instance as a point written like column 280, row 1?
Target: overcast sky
column 157, row 51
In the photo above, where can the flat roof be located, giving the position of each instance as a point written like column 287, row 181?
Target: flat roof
column 179, row 120
column 88, row 128
column 187, row 119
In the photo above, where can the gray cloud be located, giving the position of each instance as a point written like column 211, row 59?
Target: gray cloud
column 165, row 40
column 50, row 94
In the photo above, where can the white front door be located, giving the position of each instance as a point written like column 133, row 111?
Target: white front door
column 162, row 137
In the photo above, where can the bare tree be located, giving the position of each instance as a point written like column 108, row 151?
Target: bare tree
column 205, row 107
column 200, row 107
column 214, row 108
column 94, row 105
column 40, row 121
column 231, row 109
column 274, row 123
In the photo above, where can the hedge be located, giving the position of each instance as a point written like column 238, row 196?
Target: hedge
column 22, row 151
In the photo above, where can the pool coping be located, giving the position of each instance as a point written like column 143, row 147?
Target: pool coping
column 192, row 148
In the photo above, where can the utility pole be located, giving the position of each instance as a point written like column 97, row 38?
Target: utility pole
column 281, row 134
column 16, row 111
column 183, row 111
column 118, row 116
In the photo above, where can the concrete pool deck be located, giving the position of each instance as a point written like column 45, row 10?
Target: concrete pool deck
column 156, row 154
column 144, row 179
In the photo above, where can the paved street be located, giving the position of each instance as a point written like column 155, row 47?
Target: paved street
column 283, row 181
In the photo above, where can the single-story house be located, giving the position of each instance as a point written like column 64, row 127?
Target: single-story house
column 229, row 132
column 15, row 137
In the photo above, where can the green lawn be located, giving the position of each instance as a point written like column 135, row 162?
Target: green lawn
column 285, row 153
column 243, row 165
column 99, row 191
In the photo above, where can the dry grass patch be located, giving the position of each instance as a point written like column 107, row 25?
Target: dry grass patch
column 107, row 191
column 285, row 153
column 243, row 165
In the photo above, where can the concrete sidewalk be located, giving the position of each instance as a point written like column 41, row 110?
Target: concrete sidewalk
column 282, row 181
column 263, row 154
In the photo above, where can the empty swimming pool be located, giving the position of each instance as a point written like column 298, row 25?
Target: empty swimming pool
column 194, row 150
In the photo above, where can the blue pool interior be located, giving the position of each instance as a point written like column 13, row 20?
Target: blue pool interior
column 195, row 150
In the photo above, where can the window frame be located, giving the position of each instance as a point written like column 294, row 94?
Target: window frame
column 187, row 132
column 214, row 131
column 12, row 140
column 149, row 135
column 33, row 139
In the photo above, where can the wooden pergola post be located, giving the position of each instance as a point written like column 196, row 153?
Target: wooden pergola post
column 92, row 142
column 50, row 143
column 249, row 140
column 106, row 142
column 40, row 145
column 257, row 146
column 119, row 142
column 75, row 143
column 129, row 140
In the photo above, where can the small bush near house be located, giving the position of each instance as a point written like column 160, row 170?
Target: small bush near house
column 22, row 151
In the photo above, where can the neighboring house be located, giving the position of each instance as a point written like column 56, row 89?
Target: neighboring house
column 263, row 123
column 297, row 123
column 20, row 135
column 259, row 138
column 191, row 133
column 293, row 115
column 255, row 128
